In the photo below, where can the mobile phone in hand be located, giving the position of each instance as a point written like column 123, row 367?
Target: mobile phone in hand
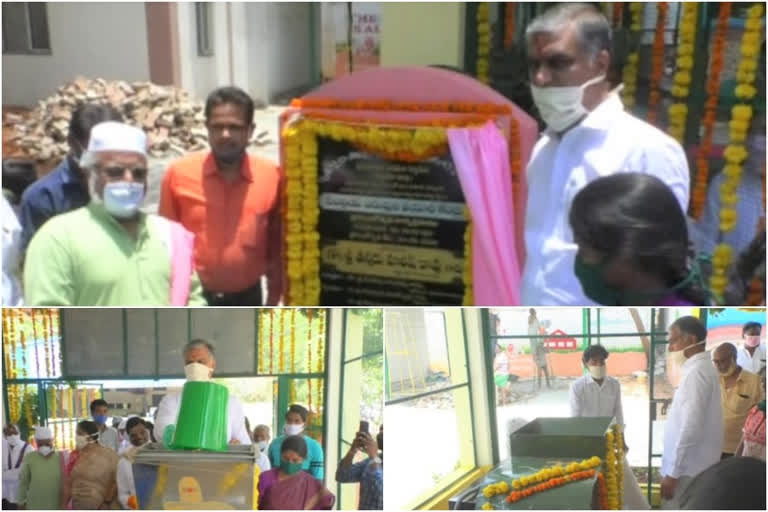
column 364, row 427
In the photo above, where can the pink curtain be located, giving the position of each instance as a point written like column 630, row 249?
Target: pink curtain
column 482, row 161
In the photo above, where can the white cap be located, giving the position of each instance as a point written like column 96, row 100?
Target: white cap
column 114, row 136
column 43, row 433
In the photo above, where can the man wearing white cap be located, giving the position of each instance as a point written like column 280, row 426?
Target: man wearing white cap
column 14, row 450
column 109, row 253
column 41, row 474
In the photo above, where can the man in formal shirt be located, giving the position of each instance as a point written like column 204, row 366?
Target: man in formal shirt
column 739, row 392
column 230, row 200
column 597, row 394
column 65, row 188
column 588, row 136
column 14, row 450
column 199, row 365
column 109, row 253
column 751, row 356
column 693, row 433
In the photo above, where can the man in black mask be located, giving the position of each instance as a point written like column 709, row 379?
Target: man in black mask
column 368, row 473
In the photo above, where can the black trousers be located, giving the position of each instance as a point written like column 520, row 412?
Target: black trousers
column 7, row 505
column 247, row 297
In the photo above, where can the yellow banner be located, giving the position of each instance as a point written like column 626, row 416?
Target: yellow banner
column 394, row 261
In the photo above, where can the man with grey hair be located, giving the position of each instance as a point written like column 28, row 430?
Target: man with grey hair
column 588, row 136
column 109, row 253
column 199, row 365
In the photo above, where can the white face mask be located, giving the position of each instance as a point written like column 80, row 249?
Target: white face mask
column 82, row 441
column 678, row 356
column 561, row 107
column 292, row 429
column 262, row 445
column 123, row 198
column 13, row 440
column 197, row 372
column 45, row 451
column 597, row 372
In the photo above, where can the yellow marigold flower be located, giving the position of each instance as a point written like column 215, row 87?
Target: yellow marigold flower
column 753, row 24
column 735, row 154
column 718, row 282
column 742, row 112
column 728, row 215
column 516, row 485
column 749, row 49
column 682, row 78
column 685, row 62
column 487, row 506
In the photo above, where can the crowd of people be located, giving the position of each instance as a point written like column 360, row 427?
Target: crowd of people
column 717, row 411
column 98, row 474
column 607, row 197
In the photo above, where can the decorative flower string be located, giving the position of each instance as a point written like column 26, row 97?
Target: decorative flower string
column 271, row 341
column 603, row 491
column 320, row 341
column 36, row 341
column 293, row 340
column 629, row 74
column 483, row 42
column 83, row 403
column 23, row 343
column 262, row 340
column 611, row 471
column 701, row 181
column 46, row 346
column 310, row 262
column 678, row 111
column 469, row 296
column 509, row 24
column 281, row 360
column 456, row 107
column 736, row 152
column 617, row 14
column 657, row 61
column 309, row 357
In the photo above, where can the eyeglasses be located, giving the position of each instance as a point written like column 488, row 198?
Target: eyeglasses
column 138, row 173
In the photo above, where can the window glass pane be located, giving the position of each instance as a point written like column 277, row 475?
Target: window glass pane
column 203, row 18
column 418, row 352
column 233, row 335
column 140, row 341
column 98, row 350
column 439, row 421
column 14, row 27
column 172, row 334
column 38, row 26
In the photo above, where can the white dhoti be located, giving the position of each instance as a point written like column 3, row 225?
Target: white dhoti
column 633, row 495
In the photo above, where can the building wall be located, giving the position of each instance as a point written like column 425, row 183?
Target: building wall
column 422, row 33
column 95, row 40
column 289, row 50
column 200, row 75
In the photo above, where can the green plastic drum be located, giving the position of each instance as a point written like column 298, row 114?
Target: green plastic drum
column 203, row 418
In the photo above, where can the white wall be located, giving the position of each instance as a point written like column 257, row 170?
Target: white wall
column 95, row 40
column 288, row 46
column 200, row 75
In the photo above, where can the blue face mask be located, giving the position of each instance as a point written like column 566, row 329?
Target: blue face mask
column 123, row 198
column 101, row 419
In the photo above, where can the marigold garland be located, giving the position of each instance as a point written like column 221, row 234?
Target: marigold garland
column 36, row 341
column 657, row 62
column 483, row 42
column 321, row 341
column 309, row 358
column 46, row 346
column 603, row 491
column 509, row 24
column 271, row 341
column 23, row 344
column 456, row 107
column 701, row 181
column 262, row 340
column 678, row 111
column 83, row 403
column 736, row 152
column 610, row 468
column 630, row 71
column 617, row 14
column 281, row 361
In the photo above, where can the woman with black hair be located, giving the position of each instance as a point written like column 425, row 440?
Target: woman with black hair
column 288, row 487
column 633, row 244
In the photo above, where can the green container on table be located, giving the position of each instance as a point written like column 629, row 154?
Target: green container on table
column 203, row 422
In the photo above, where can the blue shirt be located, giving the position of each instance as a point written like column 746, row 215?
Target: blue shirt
column 371, row 480
column 58, row 192
column 313, row 462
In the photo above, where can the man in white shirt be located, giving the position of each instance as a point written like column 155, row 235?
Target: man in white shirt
column 138, row 434
column 693, row 433
column 599, row 395
column 199, row 364
column 751, row 357
column 14, row 450
column 588, row 136
column 11, row 255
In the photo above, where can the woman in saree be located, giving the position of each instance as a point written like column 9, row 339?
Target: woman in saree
column 288, row 487
column 90, row 476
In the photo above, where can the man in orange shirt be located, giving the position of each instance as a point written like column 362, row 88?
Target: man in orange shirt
column 230, row 200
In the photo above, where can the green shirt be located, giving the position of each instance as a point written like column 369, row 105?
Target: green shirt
column 313, row 463
column 86, row 258
column 40, row 482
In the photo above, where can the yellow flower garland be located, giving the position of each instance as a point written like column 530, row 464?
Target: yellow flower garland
column 678, row 111
column 736, row 152
column 262, row 341
column 610, row 469
column 483, row 42
column 256, row 476
column 629, row 74
column 321, row 342
column 281, row 348
column 301, row 191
